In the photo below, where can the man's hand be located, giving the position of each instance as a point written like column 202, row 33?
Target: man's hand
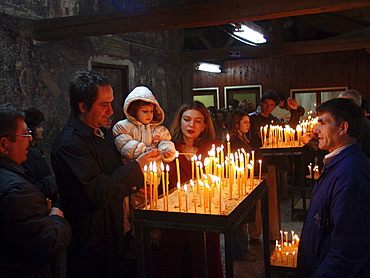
column 56, row 211
column 167, row 154
column 147, row 157
column 292, row 103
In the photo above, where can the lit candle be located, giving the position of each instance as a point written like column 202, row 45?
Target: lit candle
column 151, row 184
column 228, row 144
column 167, row 182
column 186, row 197
column 260, row 170
column 281, row 237
column 194, row 198
column 286, row 237
column 145, row 189
column 209, row 197
column 193, row 159
column 179, row 195
column 163, row 187
column 222, row 154
column 178, row 167
column 219, row 196
column 155, row 186
column 200, row 183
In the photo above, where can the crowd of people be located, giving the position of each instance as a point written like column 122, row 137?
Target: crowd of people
column 84, row 212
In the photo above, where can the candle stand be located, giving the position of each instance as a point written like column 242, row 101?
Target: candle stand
column 225, row 224
column 298, row 206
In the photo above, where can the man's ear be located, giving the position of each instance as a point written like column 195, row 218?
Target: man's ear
column 343, row 128
column 82, row 107
column 4, row 144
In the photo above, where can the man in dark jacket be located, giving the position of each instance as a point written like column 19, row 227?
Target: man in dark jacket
column 93, row 182
column 32, row 235
column 335, row 239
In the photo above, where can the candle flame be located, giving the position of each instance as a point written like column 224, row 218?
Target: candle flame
column 155, row 167
column 167, row 168
column 228, row 137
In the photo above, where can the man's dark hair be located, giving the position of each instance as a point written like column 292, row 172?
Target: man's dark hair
column 345, row 110
column 33, row 118
column 9, row 117
column 84, row 89
column 270, row 95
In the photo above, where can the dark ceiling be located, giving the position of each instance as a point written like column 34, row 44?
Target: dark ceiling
column 352, row 23
column 290, row 27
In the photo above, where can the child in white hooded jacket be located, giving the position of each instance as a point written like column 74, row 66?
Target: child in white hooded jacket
column 142, row 130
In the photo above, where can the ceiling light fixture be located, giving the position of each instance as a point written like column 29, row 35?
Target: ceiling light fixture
column 247, row 35
column 209, row 67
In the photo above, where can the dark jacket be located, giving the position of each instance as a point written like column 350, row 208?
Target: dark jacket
column 335, row 239
column 40, row 174
column 92, row 183
column 31, row 241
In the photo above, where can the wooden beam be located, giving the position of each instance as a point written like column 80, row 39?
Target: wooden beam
column 184, row 16
column 284, row 49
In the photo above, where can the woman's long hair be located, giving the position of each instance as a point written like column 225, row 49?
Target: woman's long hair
column 236, row 116
column 208, row 133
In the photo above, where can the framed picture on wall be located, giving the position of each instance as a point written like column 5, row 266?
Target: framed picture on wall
column 309, row 98
column 208, row 96
column 250, row 92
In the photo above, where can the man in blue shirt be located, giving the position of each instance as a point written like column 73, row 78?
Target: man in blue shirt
column 335, row 239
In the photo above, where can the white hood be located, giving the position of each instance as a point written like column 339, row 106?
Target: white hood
column 143, row 93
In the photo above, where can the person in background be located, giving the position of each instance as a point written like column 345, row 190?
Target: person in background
column 212, row 111
column 178, row 253
column 353, row 95
column 260, row 118
column 93, row 182
column 335, row 238
column 36, row 165
column 281, row 110
column 232, row 104
column 247, row 106
column 220, row 125
column 32, row 235
column 238, row 140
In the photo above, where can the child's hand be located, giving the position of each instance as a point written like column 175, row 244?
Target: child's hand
column 148, row 149
column 167, row 153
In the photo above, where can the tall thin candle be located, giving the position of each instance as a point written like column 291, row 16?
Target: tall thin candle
column 260, row 170
column 179, row 195
column 163, row 187
column 145, row 188
column 167, row 182
column 178, row 167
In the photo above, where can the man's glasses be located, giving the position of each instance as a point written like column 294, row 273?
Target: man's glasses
column 28, row 134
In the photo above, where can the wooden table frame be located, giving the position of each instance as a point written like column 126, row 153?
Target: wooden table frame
column 225, row 224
